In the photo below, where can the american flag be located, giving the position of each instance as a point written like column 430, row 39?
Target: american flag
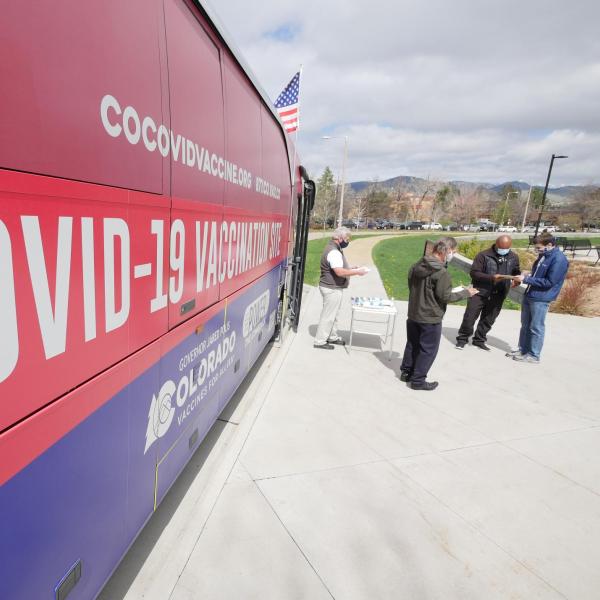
column 287, row 104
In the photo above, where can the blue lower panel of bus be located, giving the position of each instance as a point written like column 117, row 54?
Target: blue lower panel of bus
column 86, row 497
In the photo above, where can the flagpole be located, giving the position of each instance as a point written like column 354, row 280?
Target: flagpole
column 297, row 129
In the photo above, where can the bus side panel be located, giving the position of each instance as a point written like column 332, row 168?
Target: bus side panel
column 73, row 301
column 200, row 374
column 197, row 151
column 70, row 503
column 89, row 493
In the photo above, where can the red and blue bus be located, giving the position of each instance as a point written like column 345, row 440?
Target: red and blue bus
column 152, row 234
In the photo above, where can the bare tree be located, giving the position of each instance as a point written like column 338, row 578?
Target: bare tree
column 359, row 207
column 466, row 206
column 400, row 204
column 587, row 207
column 418, row 201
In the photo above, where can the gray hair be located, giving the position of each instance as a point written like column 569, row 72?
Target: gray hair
column 444, row 244
column 340, row 232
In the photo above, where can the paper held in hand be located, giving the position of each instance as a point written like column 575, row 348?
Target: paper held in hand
column 459, row 288
column 364, row 269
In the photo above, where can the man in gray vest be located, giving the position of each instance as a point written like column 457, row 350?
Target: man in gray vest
column 335, row 274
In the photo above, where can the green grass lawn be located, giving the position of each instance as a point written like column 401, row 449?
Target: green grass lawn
column 393, row 257
column 314, row 250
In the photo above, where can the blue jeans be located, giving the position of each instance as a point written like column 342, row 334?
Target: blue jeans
column 533, row 327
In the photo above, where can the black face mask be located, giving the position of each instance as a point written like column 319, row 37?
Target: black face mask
column 344, row 244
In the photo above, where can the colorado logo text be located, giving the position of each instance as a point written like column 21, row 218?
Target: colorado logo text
column 185, row 395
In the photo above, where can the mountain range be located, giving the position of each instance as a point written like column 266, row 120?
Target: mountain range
column 417, row 185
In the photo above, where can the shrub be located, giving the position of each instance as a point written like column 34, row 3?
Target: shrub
column 574, row 297
column 471, row 248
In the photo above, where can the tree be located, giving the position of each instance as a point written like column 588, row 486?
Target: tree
column 417, row 201
column 463, row 209
column 325, row 201
column 440, row 202
column 378, row 204
column 507, row 205
column 400, row 205
column 587, row 207
column 359, row 208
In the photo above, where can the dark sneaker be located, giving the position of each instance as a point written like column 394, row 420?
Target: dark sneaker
column 460, row 345
column 481, row 346
column 405, row 375
column 427, row 386
column 324, row 346
column 337, row 342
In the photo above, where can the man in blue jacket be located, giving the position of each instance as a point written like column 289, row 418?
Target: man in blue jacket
column 543, row 286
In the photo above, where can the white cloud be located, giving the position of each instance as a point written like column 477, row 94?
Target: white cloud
column 484, row 91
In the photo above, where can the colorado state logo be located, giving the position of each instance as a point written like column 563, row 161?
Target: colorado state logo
column 162, row 411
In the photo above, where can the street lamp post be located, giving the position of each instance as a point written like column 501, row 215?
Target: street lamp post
column 506, row 204
column 537, row 224
column 526, row 209
column 332, row 137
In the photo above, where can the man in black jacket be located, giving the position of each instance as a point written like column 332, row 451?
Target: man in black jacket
column 430, row 290
column 487, row 273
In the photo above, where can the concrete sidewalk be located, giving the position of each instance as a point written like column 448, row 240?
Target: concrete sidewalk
column 330, row 478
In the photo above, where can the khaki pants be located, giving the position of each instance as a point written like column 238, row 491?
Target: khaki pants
column 328, row 323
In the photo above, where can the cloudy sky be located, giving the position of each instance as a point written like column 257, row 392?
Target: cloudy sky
column 474, row 90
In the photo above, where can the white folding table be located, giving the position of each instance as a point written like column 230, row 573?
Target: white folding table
column 366, row 314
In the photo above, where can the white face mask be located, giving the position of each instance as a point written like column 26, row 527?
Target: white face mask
column 449, row 256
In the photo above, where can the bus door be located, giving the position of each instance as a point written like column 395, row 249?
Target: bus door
column 306, row 201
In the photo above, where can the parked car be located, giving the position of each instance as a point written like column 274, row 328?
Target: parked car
column 508, row 229
column 383, row 224
column 414, row 225
column 433, row 226
column 548, row 228
column 399, row 225
column 350, row 224
column 452, row 227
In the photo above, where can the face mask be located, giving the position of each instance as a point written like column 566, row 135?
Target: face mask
column 344, row 244
column 544, row 251
column 449, row 256
column 502, row 251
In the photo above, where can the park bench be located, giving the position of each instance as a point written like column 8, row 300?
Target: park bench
column 578, row 244
column 561, row 241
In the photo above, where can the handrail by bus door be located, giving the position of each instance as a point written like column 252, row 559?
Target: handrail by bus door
column 305, row 205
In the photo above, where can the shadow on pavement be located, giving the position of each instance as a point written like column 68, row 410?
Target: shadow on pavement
column 450, row 334
column 393, row 364
column 359, row 340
